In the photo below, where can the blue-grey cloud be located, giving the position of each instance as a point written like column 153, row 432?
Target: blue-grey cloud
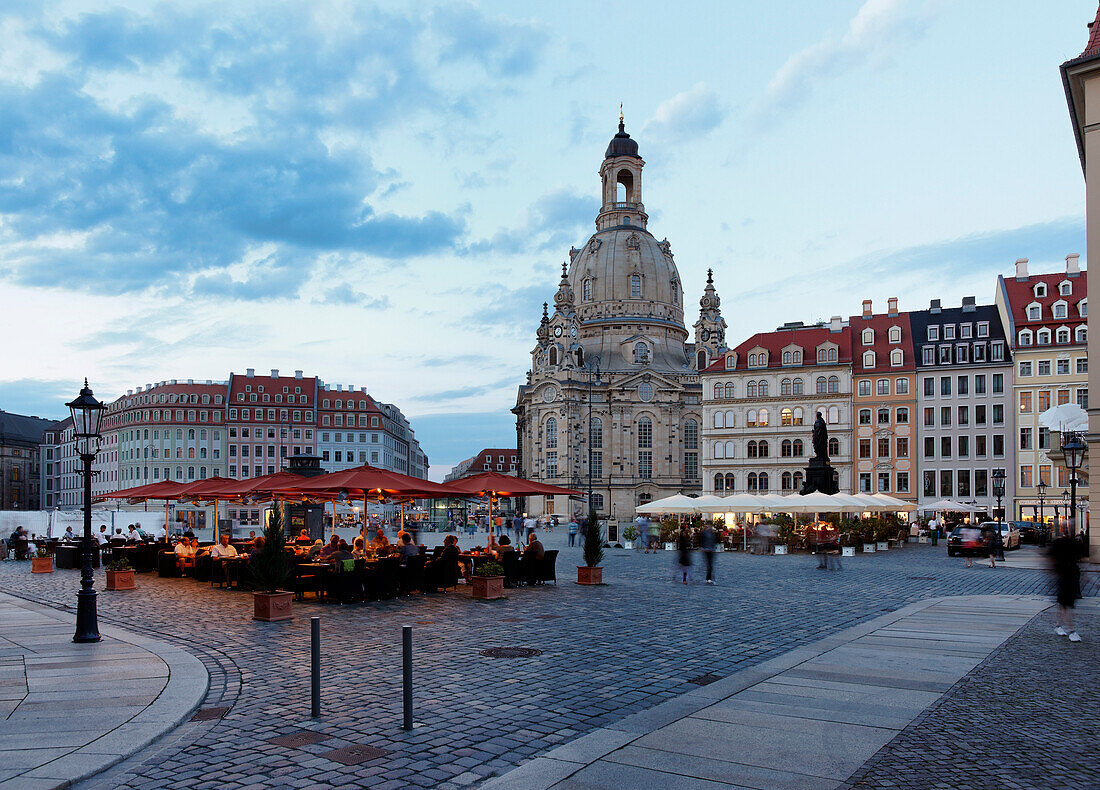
column 467, row 391
column 555, row 219
column 44, row 398
column 691, row 113
column 500, row 46
column 346, row 295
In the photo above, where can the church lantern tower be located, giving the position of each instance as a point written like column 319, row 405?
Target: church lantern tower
column 710, row 329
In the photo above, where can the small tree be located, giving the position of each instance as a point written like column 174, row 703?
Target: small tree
column 593, row 541
column 269, row 567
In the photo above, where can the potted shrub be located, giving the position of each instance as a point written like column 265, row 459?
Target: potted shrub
column 120, row 575
column 42, row 562
column 591, row 572
column 630, row 534
column 487, row 581
column 269, row 571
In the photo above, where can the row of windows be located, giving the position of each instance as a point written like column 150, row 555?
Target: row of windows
column 284, row 415
column 1061, row 367
column 757, row 481
column 258, row 433
column 170, row 397
column 759, row 419
column 340, row 456
column 959, row 446
column 644, row 429
column 980, row 415
column 1027, row 477
column 882, row 387
column 138, row 435
column 155, row 452
column 964, row 353
column 893, row 334
column 787, row 386
column 883, row 479
column 897, row 358
column 966, row 331
column 957, row 482
column 1059, row 310
column 1028, row 399
column 1028, row 337
column 339, row 437
column 825, row 354
column 901, row 416
column 882, row 444
column 788, row 448
column 963, row 388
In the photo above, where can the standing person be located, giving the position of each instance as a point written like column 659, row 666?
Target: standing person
column 654, row 535
column 989, row 544
column 517, row 526
column 643, row 533
column 529, row 527
column 573, row 528
column 1064, row 552
column 684, row 548
column 707, row 540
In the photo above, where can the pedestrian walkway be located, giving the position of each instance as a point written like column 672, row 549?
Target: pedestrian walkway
column 68, row 711
column 807, row 719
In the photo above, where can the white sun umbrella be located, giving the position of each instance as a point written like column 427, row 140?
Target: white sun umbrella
column 948, row 505
column 711, row 503
column 893, row 504
column 1064, row 417
column 677, row 503
column 818, row 502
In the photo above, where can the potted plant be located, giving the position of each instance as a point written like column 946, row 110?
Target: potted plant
column 591, row 572
column 487, row 581
column 120, row 575
column 42, row 562
column 630, row 534
column 849, row 535
column 269, row 571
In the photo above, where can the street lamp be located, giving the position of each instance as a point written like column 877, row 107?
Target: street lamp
column 87, row 414
column 1042, row 489
column 998, row 491
column 593, row 368
column 1074, row 452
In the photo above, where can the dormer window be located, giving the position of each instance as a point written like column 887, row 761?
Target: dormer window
column 1083, row 308
column 641, row 353
column 731, row 362
column 1082, row 335
column 1042, row 337
column 868, row 359
column 933, row 333
column 1034, row 312
column 1059, row 308
column 798, row 357
column 896, row 358
column 1062, row 335
column 1065, row 288
column 1040, row 290
column 983, row 329
column 895, row 334
column 868, row 337
column 1024, row 338
column 966, row 331
column 949, row 332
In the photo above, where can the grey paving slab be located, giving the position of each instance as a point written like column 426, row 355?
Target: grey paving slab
column 616, row 776
column 719, row 770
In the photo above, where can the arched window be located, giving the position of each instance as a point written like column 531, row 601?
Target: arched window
column 797, row 450
column 587, row 289
column 762, row 481
column 786, row 481
column 763, row 448
column 797, row 417
column 645, row 433
column 762, row 418
column 786, row 417
column 798, row 357
column 750, row 419
column 551, row 433
column 701, row 360
column 834, row 385
column 641, row 353
column 1025, row 337
column 719, row 483
column 729, row 481
column 718, row 421
column 797, row 480
column 822, row 385
column 179, row 433
column 191, row 435
column 595, row 434
column 785, row 448
column 785, row 387
column 729, row 450
column 751, row 450
column 729, row 390
column 834, row 415
column 832, row 355
column 718, row 450
column 762, row 388
column 751, row 481
column 751, row 389
column 834, row 447
column 635, row 286
column 718, row 390
column 190, row 473
column 752, row 360
column 1063, row 335
column 731, row 419
column 1042, row 337
column 580, row 357
column 691, row 435
column 786, row 357
column 799, row 387
column 675, row 292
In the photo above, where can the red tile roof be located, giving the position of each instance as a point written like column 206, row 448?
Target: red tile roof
column 1094, row 37
column 1020, row 294
column 881, row 324
column 809, row 338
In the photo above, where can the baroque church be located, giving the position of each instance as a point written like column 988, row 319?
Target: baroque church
column 612, row 399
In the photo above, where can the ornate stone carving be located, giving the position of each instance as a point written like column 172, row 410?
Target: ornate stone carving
column 665, row 247
column 633, row 241
column 594, row 246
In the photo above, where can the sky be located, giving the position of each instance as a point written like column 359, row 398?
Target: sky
column 382, row 195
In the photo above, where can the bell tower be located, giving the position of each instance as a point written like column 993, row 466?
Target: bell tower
column 710, row 329
column 621, row 172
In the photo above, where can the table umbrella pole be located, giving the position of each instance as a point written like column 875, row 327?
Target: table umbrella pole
column 216, row 519
column 489, row 538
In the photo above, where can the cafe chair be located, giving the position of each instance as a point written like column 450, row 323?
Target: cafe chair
column 387, row 577
column 512, row 573
column 548, row 570
column 168, row 565
column 412, row 576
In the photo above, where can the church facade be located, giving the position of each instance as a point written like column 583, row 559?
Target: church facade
column 612, row 402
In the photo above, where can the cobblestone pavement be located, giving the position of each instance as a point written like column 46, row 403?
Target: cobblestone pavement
column 606, row 652
column 1026, row 718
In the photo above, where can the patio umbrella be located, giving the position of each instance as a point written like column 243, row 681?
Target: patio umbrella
column 216, row 489
column 1064, row 417
column 675, row 504
column 165, row 489
column 948, row 505
column 894, row 504
column 495, row 484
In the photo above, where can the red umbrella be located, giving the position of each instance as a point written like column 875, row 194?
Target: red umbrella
column 165, row 489
column 495, row 484
column 371, row 482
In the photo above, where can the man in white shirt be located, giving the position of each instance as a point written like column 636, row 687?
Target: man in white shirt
column 223, row 549
column 530, row 525
column 102, row 537
column 133, row 536
column 185, row 555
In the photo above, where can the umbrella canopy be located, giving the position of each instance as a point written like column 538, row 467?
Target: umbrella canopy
column 211, row 488
column 503, row 485
column 818, row 502
column 1064, row 417
column 894, row 504
column 165, row 489
column 362, row 482
column 711, row 503
column 949, row 505
column 677, row 503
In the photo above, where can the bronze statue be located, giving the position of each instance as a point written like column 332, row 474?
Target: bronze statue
column 821, row 438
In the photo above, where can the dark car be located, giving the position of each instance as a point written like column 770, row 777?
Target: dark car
column 965, row 542
column 1033, row 532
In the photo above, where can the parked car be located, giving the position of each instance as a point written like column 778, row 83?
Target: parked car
column 1032, row 532
column 965, row 541
column 1010, row 534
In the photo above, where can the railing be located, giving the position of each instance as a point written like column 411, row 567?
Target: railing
column 623, row 207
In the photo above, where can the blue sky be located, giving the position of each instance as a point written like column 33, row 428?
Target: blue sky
column 383, row 195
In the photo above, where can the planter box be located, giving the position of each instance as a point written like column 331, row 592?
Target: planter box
column 272, row 607
column 882, row 545
column 848, row 551
column 868, row 548
column 587, row 575
column 487, row 588
column 628, row 544
column 41, row 564
column 780, row 549
column 120, row 580
column 924, row 539
column 719, row 547
column 670, row 547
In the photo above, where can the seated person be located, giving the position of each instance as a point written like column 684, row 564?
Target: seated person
column 69, row 535
column 357, row 550
column 185, row 555
column 223, row 550
column 102, row 537
column 408, row 548
column 332, row 547
column 343, row 552
column 534, row 547
column 443, row 570
column 189, row 533
column 257, row 545
column 379, row 541
column 504, row 546
column 133, row 536
column 118, row 537
column 303, row 537
column 316, row 549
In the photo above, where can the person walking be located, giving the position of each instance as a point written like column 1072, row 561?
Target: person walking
column 573, row 528
column 1064, row 553
column 684, row 550
column 989, row 544
column 707, row 542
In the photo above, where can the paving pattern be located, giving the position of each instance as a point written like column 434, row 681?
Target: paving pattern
column 607, row 652
column 1026, row 719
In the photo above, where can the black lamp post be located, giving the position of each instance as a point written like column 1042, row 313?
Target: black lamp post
column 594, row 381
column 1074, row 451
column 87, row 414
column 998, row 491
column 1042, row 489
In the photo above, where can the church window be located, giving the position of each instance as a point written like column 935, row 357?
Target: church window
column 635, row 286
column 691, row 447
column 551, row 433
column 718, row 421
column 691, row 435
column 580, row 357
column 641, row 353
column 645, row 433
column 587, row 289
column 595, row 434
column 799, row 387
column 675, row 292
column 553, row 355
column 701, row 360
column 552, row 464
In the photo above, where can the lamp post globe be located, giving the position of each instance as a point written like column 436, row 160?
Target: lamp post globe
column 87, row 415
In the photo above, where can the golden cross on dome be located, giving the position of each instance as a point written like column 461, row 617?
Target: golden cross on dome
column 620, row 112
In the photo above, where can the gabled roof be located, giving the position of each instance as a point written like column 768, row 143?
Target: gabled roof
column 1019, row 293
column 23, row 429
column 809, row 338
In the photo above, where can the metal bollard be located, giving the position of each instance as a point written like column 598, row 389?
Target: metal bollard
column 407, row 675
column 315, row 665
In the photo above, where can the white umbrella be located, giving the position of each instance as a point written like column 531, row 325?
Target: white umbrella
column 817, row 502
column 677, row 503
column 711, row 503
column 1064, row 417
column 949, row 505
column 892, row 503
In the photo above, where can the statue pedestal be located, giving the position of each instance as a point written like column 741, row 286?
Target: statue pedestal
column 820, row 476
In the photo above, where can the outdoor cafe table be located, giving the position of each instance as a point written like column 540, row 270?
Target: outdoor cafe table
column 71, row 555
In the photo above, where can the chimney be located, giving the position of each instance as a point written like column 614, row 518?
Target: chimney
column 934, row 306
column 1021, row 268
column 892, row 306
column 969, row 304
column 297, row 374
column 250, row 372
column 836, row 324
column 1073, row 264
column 274, row 373
column 867, row 311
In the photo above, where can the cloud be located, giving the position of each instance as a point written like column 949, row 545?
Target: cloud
column 44, row 398
column 467, row 391
column 691, row 113
column 553, row 220
column 877, row 27
column 346, row 295
column 164, row 148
